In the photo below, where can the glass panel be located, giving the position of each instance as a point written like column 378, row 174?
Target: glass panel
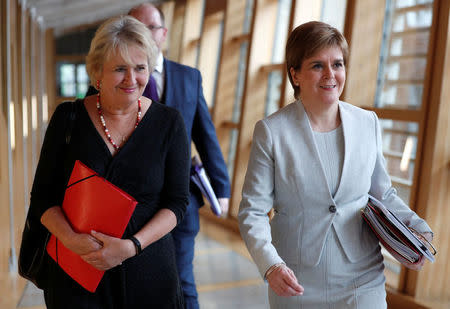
column 67, row 73
column 68, row 89
column 281, row 29
column 410, row 44
column 413, row 19
column 402, row 96
column 82, row 81
column 82, row 75
column 82, row 89
column 232, row 152
column 333, row 13
column 239, row 88
column 406, row 69
column 399, row 149
column 273, row 92
column 406, row 3
column 197, row 52
column 73, row 80
column 403, row 58
column 216, row 73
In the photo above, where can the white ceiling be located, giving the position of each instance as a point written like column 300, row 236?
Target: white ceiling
column 63, row 15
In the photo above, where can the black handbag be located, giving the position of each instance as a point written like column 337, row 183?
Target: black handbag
column 35, row 236
column 32, row 250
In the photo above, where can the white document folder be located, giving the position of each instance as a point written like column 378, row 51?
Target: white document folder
column 199, row 177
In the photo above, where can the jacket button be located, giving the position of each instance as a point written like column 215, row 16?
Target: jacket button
column 332, row 208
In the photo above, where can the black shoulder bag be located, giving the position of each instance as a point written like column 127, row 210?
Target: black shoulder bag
column 35, row 236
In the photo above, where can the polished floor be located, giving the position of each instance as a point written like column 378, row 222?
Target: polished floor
column 226, row 277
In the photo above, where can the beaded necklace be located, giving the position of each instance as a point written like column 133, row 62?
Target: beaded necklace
column 102, row 120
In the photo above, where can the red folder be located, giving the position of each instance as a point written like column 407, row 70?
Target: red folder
column 90, row 203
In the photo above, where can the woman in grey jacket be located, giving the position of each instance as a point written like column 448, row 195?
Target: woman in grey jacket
column 315, row 162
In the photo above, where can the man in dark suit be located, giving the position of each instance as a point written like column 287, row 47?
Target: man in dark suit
column 180, row 87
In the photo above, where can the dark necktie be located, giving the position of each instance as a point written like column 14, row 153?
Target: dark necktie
column 151, row 91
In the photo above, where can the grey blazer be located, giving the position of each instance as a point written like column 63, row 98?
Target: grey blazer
column 285, row 172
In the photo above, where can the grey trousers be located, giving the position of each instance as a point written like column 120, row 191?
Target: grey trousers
column 336, row 282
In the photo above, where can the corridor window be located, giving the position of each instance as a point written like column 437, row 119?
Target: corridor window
column 403, row 58
column 399, row 98
column 73, row 80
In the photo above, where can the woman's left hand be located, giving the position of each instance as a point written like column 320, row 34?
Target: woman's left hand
column 419, row 264
column 114, row 252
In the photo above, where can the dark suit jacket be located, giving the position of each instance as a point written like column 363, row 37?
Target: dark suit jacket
column 183, row 91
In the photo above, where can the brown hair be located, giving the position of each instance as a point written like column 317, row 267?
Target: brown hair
column 308, row 39
column 116, row 35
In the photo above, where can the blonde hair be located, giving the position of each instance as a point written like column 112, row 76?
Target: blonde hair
column 308, row 39
column 116, row 36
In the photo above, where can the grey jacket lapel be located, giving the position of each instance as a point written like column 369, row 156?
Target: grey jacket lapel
column 314, row 156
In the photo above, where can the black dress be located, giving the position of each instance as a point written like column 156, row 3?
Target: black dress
column 153, row 167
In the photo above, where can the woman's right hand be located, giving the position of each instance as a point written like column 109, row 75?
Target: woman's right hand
column 82, row 244
column 56, row 222
column 284, row 282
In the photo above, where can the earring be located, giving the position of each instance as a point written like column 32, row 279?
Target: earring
column 98, row 84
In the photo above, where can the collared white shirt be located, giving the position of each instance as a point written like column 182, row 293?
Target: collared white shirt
column 158, row 74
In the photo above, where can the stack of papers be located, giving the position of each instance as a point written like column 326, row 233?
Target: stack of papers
column 201, row 180
column 394, row 235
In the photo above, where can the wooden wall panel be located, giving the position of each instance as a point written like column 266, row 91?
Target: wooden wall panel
column 167, row 8
column 29, row 94
column 364, row 53
column 33, row 94
column 214, row 6
column 192, row 27
column 209, row 53
column 16, row 117
column 177, row 30
column 51, row 71
column 253, row 105
column 305, row 11
column 301, row 12
column 4, row 185
column 233, row 37
column 432, row 284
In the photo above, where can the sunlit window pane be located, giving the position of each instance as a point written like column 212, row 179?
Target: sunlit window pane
column 403, row 58
column 399, row 148
column 82, row 76
column 273, row 92
column 410, row 44
column 68, row 89
column 333, row 13
column 239, row 87
column 281, row 29
column 72, row 79
column 406, row 69
column 407, row 3
column 67, row 72
column 81, row 90
column 402, row 96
